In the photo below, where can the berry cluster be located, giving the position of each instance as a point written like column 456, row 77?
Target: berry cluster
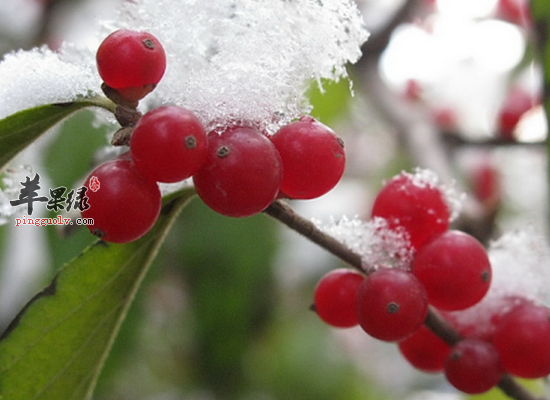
column 124, row 201
column 237, row 170
column 451, row 272
column 245, row 170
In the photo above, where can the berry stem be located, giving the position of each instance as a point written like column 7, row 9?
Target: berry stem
column 438, row 325
column 103, row 102
column 282, row 212
column 513, row 389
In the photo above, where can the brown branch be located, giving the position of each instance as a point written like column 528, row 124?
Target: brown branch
column 284, row 213
column 434, row 321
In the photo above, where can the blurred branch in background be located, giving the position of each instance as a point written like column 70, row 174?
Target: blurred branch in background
column 427, row 143
column 541, row 16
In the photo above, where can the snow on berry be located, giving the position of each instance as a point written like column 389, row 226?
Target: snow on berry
column 380, row 243
column 418, row 203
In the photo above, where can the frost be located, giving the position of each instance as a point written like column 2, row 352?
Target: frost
column 248, row 59
column 521, row 266
column 423, row 177
column 227, row 60
column 373, row 240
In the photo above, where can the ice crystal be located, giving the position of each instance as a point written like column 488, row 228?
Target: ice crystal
column 248, row 59
column 227, row 60
column 41, row 76
column 373, row 240
column 423, row 177
column 521, row 265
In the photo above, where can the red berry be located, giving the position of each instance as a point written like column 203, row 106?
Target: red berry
column 514, row 11
column 414, row 204
column 313, row 158
column 125, row 206
column 445, row 118
column 413, row 90
column 425, row 350
column 131, row 60
column 485, row 182
column 168, row 144
column 391, row 304
column 522, row 339
column 334, row 298
column 242, row 173
column 455, row 269
column 473, row 366
column 516, row 103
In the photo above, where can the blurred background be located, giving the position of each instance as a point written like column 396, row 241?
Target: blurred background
column 449, row 85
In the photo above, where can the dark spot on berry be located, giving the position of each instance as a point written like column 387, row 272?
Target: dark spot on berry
column 149, row 43
column 340, row 141
column 223, row 151
column 190, row 142
column 98, row 232
column 485, row 275
column 392, row 307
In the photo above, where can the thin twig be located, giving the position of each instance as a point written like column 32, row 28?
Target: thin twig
column 434, row 321
column 284, row 213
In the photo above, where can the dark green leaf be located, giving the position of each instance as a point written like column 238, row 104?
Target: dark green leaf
column 19, row 130
column 57, row 345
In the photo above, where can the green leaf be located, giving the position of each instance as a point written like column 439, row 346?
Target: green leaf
column 330, row 102
column 19, row 130
column 57, row 345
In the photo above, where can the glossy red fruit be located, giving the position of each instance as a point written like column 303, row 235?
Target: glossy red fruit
column 169, row 144
column 124, row 205
column 313, row 158
column 425, row 350
column 522, row 339
column 414, row 204
column 130, row 60
column 455, row 270
column 334, row 298
column 473, row 366
column 242, row 172
column 391, row 304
